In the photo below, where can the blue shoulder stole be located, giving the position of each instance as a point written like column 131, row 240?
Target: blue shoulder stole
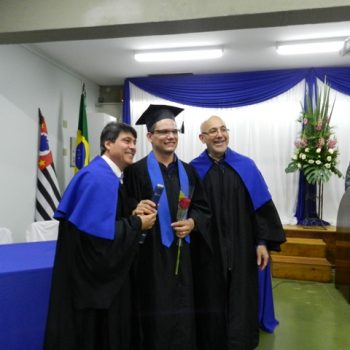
column 246, row 169
column 90, row 200
column 166, row 231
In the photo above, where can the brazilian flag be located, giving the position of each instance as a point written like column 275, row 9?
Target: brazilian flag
column 82, row 152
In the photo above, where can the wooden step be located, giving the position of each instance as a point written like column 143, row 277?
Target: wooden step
column 299, row 231
column 301, row 268
column 308, row 231
column 309, row 247
column 326, row 233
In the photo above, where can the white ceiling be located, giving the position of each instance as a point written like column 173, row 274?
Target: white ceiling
column 110, row 61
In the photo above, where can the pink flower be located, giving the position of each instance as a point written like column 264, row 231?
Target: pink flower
column 320, row 142
column 318, row 127
column 305, row 121
column 332, row 143
column 303, row 142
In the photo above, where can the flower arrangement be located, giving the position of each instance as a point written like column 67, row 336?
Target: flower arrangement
column 182, row 210
column 316, row 149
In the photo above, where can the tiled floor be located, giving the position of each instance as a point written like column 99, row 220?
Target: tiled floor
column 313, row 316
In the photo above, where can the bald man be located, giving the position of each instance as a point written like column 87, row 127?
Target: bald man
column 245, row 226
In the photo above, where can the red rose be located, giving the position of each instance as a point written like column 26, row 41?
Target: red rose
column 184, row 203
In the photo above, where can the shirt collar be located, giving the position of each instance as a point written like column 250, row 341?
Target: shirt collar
column 114, row 167
column 171, row 166
column 221, row 160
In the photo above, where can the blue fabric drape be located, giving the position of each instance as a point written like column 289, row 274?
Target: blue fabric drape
column 338, row 78
column 220, row 90
column 306, row 205
column 233, row 89
column 236, row 90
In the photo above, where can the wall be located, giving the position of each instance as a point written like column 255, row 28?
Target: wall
column 18, row 16
column 113, row 109
column 28, row 82
column 51, row 20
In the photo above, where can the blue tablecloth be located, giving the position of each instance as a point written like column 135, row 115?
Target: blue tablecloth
column 25, row 280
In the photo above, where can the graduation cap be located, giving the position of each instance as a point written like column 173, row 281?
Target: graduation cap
column 155, row 113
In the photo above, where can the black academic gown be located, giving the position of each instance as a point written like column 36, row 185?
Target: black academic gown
column 165, row 300
column 91, row 294
column 227, row 288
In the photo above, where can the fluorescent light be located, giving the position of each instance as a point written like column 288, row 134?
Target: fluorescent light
column 310, row 47
column 185, row 54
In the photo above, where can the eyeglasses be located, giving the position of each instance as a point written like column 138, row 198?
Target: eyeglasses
column 215, row 131
column 165, row 132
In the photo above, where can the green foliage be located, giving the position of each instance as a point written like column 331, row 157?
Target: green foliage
column 316, row 149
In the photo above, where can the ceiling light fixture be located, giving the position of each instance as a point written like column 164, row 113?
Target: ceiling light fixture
column 183, row 54
column 310, row 46
column 346, row 48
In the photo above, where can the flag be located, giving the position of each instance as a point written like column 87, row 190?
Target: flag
column 82, row 152
column 47, row 192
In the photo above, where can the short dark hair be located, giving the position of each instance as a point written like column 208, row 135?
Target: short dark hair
column 111, row 132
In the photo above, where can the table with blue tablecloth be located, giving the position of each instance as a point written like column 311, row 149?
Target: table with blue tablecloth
column 25, row 280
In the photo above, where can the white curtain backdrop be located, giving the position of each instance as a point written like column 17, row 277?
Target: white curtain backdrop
column 264, row 132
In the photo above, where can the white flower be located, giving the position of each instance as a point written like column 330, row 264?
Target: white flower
column 307, row 149
column 295, row 157
column 327, row 165
column 318, row 162
column 299, row 165
column 303, row 156
column 311, row 161
column 329, row 158
column 331, row 151
column 318, row 150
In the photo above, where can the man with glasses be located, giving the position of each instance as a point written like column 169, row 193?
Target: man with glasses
column 245, row 225
column 164, row 270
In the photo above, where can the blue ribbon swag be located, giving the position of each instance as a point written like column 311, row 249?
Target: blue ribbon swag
column 166, row 231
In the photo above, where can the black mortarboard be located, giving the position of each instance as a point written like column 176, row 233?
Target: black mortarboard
column 154, row 113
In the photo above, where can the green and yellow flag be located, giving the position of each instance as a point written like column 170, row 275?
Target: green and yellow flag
column 82, row 152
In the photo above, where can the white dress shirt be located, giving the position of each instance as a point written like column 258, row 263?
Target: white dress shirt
column 114, row 168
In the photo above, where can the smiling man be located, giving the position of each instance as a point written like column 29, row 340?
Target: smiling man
column 245, row 225
column 91, row 295
column 166, row 301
